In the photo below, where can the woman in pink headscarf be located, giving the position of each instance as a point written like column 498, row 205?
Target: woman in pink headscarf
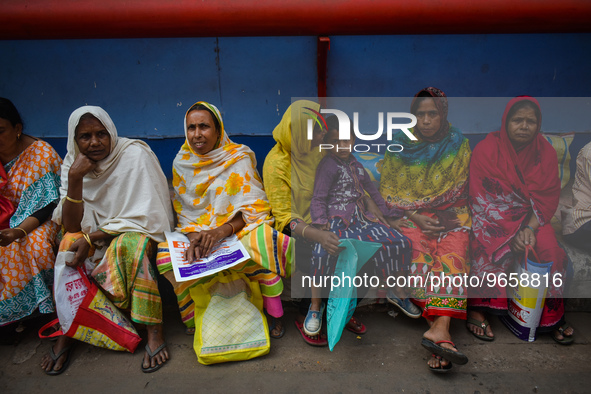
column 514, row 192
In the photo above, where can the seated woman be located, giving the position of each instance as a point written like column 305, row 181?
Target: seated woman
column 115, row 204
column 577, row 227
column 289, row 173
column 218, row 192
column 29, row 191
column 514, row 192
column 338, row 206
column 428, row 180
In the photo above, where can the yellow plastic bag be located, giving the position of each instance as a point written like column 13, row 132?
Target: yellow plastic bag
column 229, row 320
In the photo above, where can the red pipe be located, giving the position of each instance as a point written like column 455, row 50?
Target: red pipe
column 322, row 48
column 58, row 19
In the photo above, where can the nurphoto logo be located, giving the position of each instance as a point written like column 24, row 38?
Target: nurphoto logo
column 345, row 129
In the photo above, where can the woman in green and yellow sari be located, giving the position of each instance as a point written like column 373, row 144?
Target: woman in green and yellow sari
column 429, row 180
column 114, row 206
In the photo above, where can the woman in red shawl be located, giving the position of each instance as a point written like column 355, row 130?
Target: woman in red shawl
column 514, row 192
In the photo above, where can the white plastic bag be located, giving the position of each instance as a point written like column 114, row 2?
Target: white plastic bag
column 526, row 302
column 68, row 288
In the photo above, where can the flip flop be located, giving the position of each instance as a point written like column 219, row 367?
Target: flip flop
column 318, row 341
column 441, row 369
column 274, row 321
column 566, row 340
column 356, row 322
column 151, row 354
column 55, row 357
column 448, row 354
column 482, row 324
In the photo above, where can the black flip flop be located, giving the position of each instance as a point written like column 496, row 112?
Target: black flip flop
column 566, row 340
column 442, row 369
column 448, row 354
column 55, row 357
column 151, row 354
column 482, row 324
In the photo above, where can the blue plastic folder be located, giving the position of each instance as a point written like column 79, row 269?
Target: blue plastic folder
column 343, row 299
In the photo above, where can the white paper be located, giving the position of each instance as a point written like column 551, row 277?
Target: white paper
column 225, row 254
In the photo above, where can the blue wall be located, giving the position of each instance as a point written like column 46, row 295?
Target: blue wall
column 147, row 84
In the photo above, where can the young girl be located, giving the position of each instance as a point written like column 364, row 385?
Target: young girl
column 347, row 205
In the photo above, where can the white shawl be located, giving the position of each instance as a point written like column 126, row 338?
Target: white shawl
column 127, row 192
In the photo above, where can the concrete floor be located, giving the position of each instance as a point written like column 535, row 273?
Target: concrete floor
column 388, row 358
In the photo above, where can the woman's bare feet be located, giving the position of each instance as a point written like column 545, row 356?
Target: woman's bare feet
column 437, row 339
column 157, row 346
column 439, row 331
column 564, row 334
column 478, row 330
column 55, row 367
column 190, row 330
column 438, row 364
column 278, row 329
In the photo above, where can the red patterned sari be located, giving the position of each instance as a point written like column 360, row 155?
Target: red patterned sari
column 507, row 186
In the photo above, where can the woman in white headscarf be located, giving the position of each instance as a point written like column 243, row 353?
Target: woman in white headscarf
column 115, row 206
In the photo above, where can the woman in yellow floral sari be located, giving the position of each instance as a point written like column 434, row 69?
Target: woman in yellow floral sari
column 217, row 193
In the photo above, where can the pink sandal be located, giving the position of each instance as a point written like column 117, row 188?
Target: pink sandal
column 318, row 340
column 353, row 323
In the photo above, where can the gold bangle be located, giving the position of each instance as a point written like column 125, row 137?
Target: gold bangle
column 233, row 229
column 304, row 231
column 413, row 212
column 22, row 229
column 70, row 199
column 87, row 238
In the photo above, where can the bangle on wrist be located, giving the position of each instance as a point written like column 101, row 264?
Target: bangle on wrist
column 22, row 229
column 87, row 238
column 233, row 229
column 531, row 228
column 70, row 199
column 409, row 216
column 304, row 230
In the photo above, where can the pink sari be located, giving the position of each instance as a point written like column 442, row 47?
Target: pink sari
column 506, row 187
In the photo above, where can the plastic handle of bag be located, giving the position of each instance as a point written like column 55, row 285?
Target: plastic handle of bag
column 48, row 325
column 527, row 249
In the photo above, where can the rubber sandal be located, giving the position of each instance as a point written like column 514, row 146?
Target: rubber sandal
column 448, row 354
column 55, row 357
column 313, row 321
column 274, row 321
column 318, row 340
column 566, row 340
column 56, row 327
column 482, row 324
column 151, row 354
column 441, row 369
column 355, row 322
column 406, row 306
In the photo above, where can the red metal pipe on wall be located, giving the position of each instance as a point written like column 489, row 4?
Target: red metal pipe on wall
column 59, row 19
